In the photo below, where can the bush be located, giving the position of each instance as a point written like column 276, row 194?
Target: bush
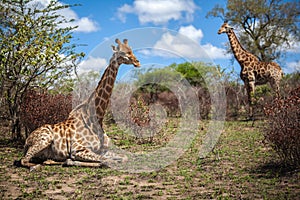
column 39, row 108
column 283, row 132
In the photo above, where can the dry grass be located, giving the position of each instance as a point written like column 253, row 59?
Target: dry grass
column 240, row 167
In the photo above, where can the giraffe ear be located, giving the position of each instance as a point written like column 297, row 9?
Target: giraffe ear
column 114, row 48
column 118, row 41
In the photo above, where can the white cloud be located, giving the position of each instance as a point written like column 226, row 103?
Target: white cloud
column 92, row 64
column 215, row 52
column 84, row 24
column 292, row 67
column 187, row 44
column 180, row 45
column 158, row 12
column 191, row 32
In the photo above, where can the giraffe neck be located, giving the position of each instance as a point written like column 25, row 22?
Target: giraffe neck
column 104, row 89
column 239, row 52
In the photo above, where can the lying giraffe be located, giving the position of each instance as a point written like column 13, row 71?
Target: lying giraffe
column 80, row 139
column 253, row 72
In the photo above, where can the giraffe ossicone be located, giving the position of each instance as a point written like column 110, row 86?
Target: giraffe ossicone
column 253, row 71
column 80, row 140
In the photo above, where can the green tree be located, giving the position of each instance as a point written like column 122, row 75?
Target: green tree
column 157, row 80
column 36, row 51
column 268, row 27
column 197, row 72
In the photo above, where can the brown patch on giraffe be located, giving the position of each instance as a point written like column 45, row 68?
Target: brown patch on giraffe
column 63, row 146
column 79, row 129
column 105, row 95
column 72, row 127
column 56, row 137
column 99, row 109
column 100, row 93
column 97, row 100
column 85, row 132
column 113, row 63
column 56, row 129
column 86, row 143
column 95, row 143
column 77, row 136
column 90, row 138
column 78, row 143
column 102, row 103
column 108, row 88
column 110, row 81
column 64, row 141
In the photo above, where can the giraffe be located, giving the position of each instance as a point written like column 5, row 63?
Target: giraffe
column 253, row 71
column 80, row 140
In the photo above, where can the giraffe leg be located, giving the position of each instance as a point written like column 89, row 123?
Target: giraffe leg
column 275, row 86
column 106, row 141
column 35, row 144
column 70, row 162
column 250, row 92
column 87, row 158
column 52, row 162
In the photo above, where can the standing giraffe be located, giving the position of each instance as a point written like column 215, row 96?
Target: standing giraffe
column 253, row 71
column 80, row 139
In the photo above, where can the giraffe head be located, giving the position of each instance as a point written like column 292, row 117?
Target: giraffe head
column 225, row 28
column 124, row 54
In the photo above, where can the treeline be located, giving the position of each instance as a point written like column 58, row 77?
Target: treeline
column 158, row 87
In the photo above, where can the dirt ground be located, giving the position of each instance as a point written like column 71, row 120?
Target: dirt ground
column 241, row 166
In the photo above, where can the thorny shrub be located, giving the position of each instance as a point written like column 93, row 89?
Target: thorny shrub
column 39, row 108
column 283, row 132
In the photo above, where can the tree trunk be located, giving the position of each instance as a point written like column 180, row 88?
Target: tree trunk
column 15, row 121
column 16, row 128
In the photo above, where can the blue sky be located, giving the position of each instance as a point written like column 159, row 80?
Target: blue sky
column 154, row 30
